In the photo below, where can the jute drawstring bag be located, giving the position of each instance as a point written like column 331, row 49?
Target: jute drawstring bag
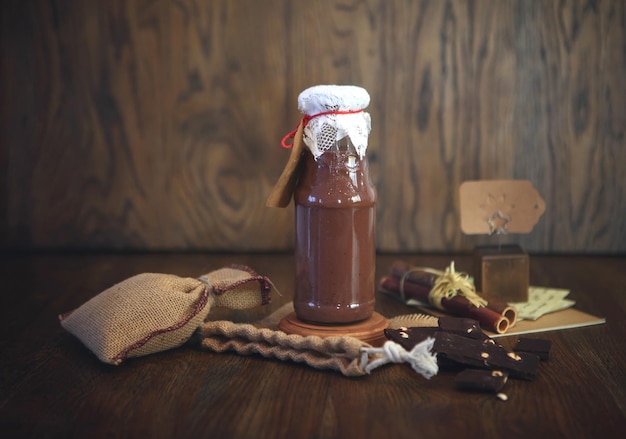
column 153, row 312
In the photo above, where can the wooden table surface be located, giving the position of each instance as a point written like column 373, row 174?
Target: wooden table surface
column 52, row 386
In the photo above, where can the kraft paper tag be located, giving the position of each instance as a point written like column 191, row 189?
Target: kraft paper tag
column 499, row 206
column 283, row 189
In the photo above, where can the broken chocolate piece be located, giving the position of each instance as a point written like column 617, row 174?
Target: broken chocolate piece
column 491, row 381
column 460, row 326
column 409, row 337
column 453, row 350
column 537, row 346
column 485, row 355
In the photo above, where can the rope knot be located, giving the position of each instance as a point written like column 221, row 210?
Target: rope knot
column 395, row 353
column 421, row 359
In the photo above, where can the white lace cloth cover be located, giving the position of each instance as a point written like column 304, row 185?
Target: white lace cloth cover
column 321, row 132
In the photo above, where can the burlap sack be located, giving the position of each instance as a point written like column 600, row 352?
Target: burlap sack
column 154, row 312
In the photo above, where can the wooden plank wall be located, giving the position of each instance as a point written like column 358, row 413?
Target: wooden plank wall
column 155, row 124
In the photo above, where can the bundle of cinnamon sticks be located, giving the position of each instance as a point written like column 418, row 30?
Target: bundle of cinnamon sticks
column 406, row 282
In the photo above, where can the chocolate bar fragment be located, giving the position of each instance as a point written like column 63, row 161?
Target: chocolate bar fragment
column 485, row 355
column 464, row 327
column 457, row 325
column 537, row 346
column 409, row 337
column 491, row 381
column 453, row 350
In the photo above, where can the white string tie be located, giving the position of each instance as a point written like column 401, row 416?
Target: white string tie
column 421, row 358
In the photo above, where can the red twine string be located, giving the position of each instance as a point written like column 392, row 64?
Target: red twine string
column 305, row 120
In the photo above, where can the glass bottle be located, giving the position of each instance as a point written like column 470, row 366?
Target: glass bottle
column 335, row 248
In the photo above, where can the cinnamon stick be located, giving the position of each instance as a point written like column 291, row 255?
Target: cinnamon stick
column 501, row 308
column 411, row 290
column 487, row 318
column 401, row 269
column 457, row 305
column 404, row 271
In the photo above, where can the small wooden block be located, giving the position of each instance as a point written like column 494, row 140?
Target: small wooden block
column 370, row 331
column 502, row 273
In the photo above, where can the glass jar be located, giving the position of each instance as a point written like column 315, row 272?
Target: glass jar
column 335, row 248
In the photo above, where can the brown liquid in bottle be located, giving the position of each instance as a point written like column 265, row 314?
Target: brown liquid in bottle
column 335, row 238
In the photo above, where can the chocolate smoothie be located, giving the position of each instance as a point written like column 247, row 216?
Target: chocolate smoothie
column 335, row 239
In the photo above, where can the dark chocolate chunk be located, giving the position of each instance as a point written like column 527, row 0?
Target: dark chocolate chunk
column 409, row 337
column 452, row 349
column 537, row 346
column 481, row 380
column 461, row 326
column 485, row 355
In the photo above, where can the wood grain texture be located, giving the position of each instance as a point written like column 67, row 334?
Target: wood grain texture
column 155, row 124
column 52, row 386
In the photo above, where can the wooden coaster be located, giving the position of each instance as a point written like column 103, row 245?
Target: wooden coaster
column 369, row 331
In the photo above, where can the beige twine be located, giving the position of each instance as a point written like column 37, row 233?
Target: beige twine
column 449, row 283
